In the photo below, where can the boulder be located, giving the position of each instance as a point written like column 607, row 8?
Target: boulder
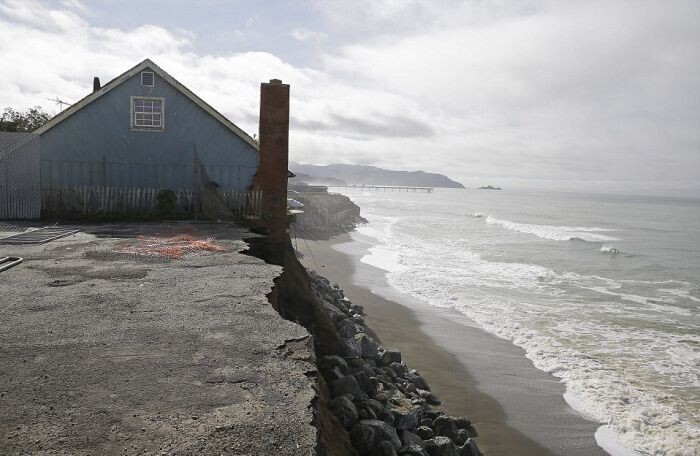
column 333, row 312
column 432, row 414
column 429, row 397
column 462, row 436
column 370, row 349
column 462, row 422
column 469, row 449
column 353, row 349
column 384, row 449
column 365, row 412
column 346, row 329
column 418, row 381
column 358, row 320
column 399, row 369
column 445, row 426
column 367, row 435
column 345, row 411
column 332, row 367
column 366, row 384
column 441, row 446
column 388, row 356
column 404, row 418
column 412, row 450
column 347, row 385
column 358, row 308
column 408, row 437
column 425, row 433
column 381, row 412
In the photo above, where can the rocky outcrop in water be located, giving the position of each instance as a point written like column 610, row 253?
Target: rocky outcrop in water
column 386, row 407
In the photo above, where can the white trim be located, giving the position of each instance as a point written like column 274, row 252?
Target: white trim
column 153, row 75
column 63, row 115
column 132, row 113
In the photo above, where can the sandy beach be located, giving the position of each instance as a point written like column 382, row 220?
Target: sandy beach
column 517, row 409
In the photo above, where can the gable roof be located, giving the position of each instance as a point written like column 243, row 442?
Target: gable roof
column 146, row 64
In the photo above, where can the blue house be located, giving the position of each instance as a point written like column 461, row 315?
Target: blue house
column 142, row 133
column 142, row 129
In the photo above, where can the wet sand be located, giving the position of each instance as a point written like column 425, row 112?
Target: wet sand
column 517, row 409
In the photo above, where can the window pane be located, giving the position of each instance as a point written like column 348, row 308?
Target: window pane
column 148, row 113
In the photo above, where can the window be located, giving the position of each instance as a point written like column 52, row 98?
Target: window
column 148, row 79
column 147, row 113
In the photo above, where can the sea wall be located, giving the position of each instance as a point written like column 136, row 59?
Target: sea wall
column 369, row 402
column 325, row 214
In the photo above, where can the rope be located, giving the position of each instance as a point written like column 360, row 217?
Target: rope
column 312, row 254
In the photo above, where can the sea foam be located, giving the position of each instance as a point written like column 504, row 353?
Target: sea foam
column 551, row 232
column 445, row 274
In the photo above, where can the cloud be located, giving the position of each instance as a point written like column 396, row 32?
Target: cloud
column 553, row 94
column 304, row 34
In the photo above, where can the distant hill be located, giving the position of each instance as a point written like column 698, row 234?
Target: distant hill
column 315, row 180
column 371, row 175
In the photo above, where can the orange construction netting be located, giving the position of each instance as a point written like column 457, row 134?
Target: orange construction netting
column 171, row 247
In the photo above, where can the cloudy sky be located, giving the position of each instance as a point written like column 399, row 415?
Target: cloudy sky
column 592, row 96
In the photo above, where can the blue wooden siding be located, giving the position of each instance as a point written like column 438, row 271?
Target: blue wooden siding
column 96, row 145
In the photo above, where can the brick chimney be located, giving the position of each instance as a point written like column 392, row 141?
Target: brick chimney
column 95, row 84
column 271, row 177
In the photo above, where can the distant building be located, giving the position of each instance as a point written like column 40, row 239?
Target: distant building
column 144, row 131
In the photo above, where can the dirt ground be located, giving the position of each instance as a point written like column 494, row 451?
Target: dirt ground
column 103, row 352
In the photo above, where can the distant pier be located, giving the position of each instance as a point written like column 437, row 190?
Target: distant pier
column 386, row 188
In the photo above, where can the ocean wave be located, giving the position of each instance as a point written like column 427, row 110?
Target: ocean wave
column 552, row 232
column 643, row 418
column 607, row 248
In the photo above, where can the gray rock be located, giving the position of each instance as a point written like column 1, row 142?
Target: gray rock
column 358, row 320
column 408, row 437
column 445, row 426
column 381, row 412
column 418, row 381
column 426, row 422
column 469, row 449
column 462, row 436
column 425, row 433
column 462, row 422
column 345, row 411
column 347, row 385
column 384, row 449
column 370, row 349
column 346, row 329
column 389, row 356
column 381, row 397
column 441, row 446
column 367, row 435
column 365, row 412
column 333, row 312
column 399, row 369
column 432, row 414
column 332, row 367
column 412, row 450
column 429, row 397
column 404, row 419
column 366, row 384
column 353, row 349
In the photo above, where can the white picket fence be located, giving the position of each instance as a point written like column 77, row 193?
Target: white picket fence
column 137, row 200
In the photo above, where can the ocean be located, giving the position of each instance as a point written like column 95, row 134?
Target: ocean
column 601, row 291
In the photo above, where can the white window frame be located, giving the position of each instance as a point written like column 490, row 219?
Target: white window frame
column 154, row 78
column 132, row 114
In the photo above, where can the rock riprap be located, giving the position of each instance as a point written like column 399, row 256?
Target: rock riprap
column 385, row 406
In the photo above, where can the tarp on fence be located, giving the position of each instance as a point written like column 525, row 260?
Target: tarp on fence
column 20, row 182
